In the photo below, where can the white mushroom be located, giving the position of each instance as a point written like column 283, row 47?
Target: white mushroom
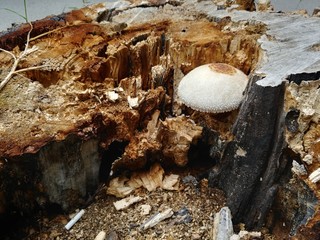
column 215, row 87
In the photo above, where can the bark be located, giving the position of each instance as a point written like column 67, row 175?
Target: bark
column 253, row 160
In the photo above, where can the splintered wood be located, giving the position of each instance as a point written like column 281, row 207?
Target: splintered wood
column 86, row 60
column 169, row 139
column 150, row 180
column 109, row 74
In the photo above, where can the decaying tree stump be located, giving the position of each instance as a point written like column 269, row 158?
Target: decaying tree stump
column 254, row 157
column 103, row 83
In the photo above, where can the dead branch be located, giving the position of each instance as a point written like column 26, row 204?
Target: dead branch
column 17, row 60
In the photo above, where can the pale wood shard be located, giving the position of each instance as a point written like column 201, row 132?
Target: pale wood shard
column 222, row 226
column 101, row 236
column 145, row 209
column 314, row 177
column 171, row 182
column 119, row 188
column 151, row 180
column 126, row 202
column 157, row 218
column 243, row 234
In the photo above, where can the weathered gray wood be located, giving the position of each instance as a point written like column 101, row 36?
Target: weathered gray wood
column 291, row 43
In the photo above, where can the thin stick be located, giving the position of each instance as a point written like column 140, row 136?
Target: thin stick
column 29, row 69
column 8, row 77
column 46, row 33
column 18, row 58
column 10, row 53
column 28, row 38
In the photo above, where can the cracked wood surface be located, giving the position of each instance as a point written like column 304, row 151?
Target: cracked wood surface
column 69, row 102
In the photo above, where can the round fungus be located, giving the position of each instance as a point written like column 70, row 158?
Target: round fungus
column 214, row 87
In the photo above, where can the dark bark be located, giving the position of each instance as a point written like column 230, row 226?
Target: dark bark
column 251, row 164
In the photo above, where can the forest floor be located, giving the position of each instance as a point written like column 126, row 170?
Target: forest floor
column 193, row 205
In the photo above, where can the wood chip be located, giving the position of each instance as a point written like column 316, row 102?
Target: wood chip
column 155, row 219
column 126, row 202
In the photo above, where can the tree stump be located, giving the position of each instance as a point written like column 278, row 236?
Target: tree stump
column 99, row 89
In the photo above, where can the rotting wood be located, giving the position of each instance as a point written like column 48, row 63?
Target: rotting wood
column 253, row 158
column 88, row 59
column 151, row 180
column 302, row 136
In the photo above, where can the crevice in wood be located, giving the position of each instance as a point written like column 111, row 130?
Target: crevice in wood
column 294, row 203
column 108, row 156
column 298, row 78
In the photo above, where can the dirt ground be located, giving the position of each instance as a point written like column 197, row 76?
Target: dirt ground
column 193, row 205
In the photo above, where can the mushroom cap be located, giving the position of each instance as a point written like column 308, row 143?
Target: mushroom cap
column 214, row 87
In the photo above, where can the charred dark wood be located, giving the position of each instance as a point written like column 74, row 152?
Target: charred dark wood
column 251, row 164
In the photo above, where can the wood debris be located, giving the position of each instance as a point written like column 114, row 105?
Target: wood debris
column 157, row 218
column 222, row 228
column 150, row 180
column 101, row 236
column 145, row 209
column 126, row 202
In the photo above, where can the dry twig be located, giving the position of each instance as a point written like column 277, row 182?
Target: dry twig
column 17, row 60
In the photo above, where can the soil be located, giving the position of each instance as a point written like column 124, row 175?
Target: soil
column 195, row 199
